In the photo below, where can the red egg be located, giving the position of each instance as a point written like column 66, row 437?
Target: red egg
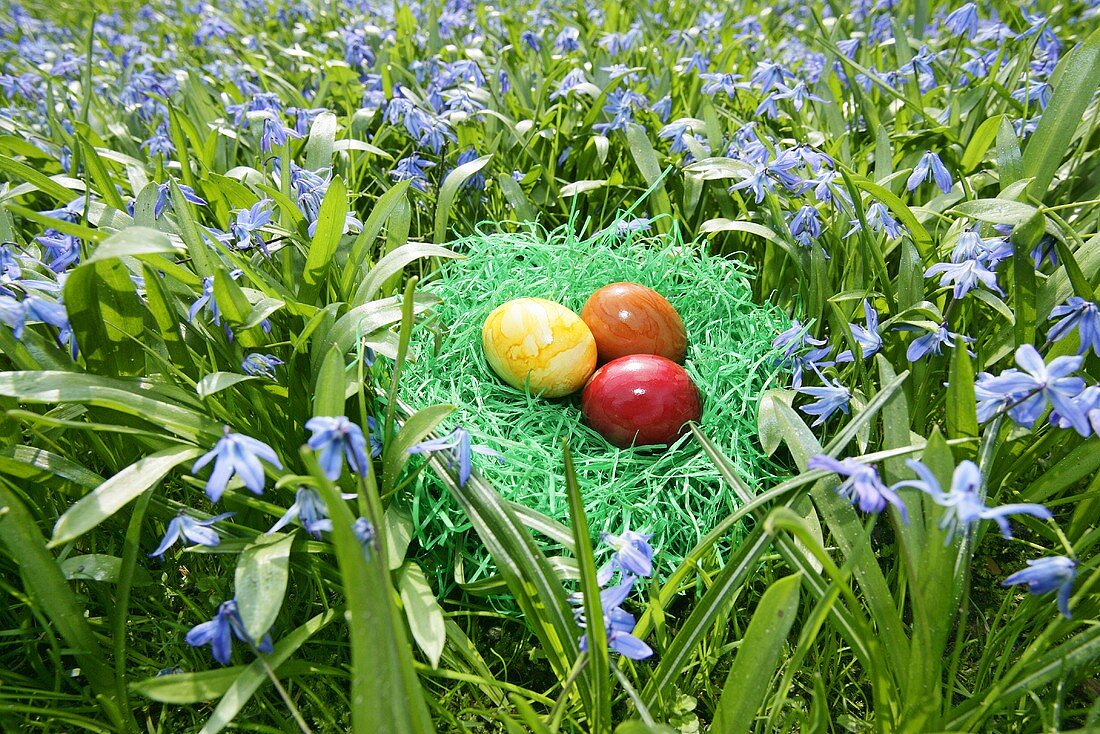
column 640, row 399
column 627, row 318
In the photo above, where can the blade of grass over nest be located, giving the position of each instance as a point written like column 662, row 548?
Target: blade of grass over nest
column 757, row 657
column 599, row 716
column 385, row 692
column 449, row 189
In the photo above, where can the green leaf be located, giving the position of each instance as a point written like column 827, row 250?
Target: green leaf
column 513, row 192
column 997, row 211
column 767, row 422
column 205, row 262
column 422, row 611
column 746, row 684
column 1010, row 166
column 30, row 462
column 980, row 142
column 111, row 496
column 330, row 227
column 331, row 390
column 393, row 263
column 38, row 180
column 218, row 381
column 384, row 207
column 398, row 535
column 99, row 567
column 133, row 242
column 962, row 416
column 322, row 138
column 599, row 714
column 645, row 157
column 449, row 189
column 260, row 581
column 106, row 317
column 1024, row 291
column 1074, row 89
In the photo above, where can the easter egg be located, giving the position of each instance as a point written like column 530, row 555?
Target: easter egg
column 627, row 318
column 640, row 399
column 539, row 344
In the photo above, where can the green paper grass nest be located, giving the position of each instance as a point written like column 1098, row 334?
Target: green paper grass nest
column 677, row 495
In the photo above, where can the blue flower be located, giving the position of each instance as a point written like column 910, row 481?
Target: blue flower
column 275, row 133
column 1088, row 401
column 972, row 246
column 862, row 486
column 1077, row 313
column 719, row 82
column 930, row 168
column 457, row 444
column 248, row 223
column 61, row 250
column 963, row 21
column 965, row 276
column 237, row 454
column 933, row 343
column 830, row 398
column 1045, row 575
column 261, row 365
column 16, row 314
column 219, row 633
column 759, row 182
column 1025, row 394
column 879, row 218
column 412, row 168
column 309, row 510
column 335, row 437
column 805, row 225
column 867, row 337
column 366, row 535
column 163, row 198
column 196, row 531
column 963, row 504
column 618, row 622
column 633, row 555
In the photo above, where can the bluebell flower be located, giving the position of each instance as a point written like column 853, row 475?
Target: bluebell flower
column 237, row 454
column 570, row 82
column 366, row 535
column 11, row 269
column 805, row 225
column 794, row 342
column 246, row 227
column 879, row 219
column 220, row 631
column 71, row 212
column 679, row 132
column 963, row 504
column 769, row 74
column 412, row 168
column 1084, row 316
column 16, row 314
column 799, row 94
column 1045, row 575
column 260, row 365
column 196, row 531
column 1025, row 394
column 163, row 197
column 531, row 39
column 352, row 224
column 633, row 556
column 159, row 144
column 61, row 250
column 868, row 338
column 759, row 182
column 972, row 246
column 964, row 276
column 567, row 40
column 275, row 133
column 963, row 21
column 1088, row 401
column 862, row 485
column 830, row 398
column 719, row 82
column 933, row 342
column 336, row 438
column 930, row 168
column 310, row 512
column 618, row 622
column 459, row 449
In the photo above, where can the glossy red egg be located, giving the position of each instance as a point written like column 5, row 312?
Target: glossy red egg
column 627, row 318
column 641, row 400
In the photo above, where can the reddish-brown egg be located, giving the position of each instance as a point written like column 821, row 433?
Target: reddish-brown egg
column 627, row 318
column 640, row 400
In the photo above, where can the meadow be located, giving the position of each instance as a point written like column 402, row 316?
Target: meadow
column 252, row 478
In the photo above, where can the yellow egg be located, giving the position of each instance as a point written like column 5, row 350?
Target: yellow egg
column 539, row 344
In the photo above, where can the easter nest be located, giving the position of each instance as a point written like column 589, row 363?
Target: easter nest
column 675, row 494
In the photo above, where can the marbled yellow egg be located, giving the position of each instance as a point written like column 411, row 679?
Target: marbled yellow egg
column 539, row 344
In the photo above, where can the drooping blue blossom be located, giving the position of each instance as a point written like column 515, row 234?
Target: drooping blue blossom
column 60, row 250
column 682, row 134
column 963, row 503
column 1088, row 401
column 240, row 455
column 337, row 438
column 1044, row 575
column 163, row 197
column 275, row 133
column 260, row 365
column 567, row 40
column 1084, row 316
column 310, row 512
column 963, row 21
column 220, row 631
column 805, row 225
column 801, row 352
column 246, row 227
column 459, row 449
column 989, row 251
column 879, row 219
column 831, row 397
column 1025, row 395
column 412, row 168
column 728, row 84
column 16, row 313
column 933, row 342
column 159, row 144
column 366, row 535
column 352, row 224
column 798, row 94
column 633, row 556
column 196, row 531
column 71, row 212
column 964, row 276
column 868, row 338
column 930, row 168
column 862, row 485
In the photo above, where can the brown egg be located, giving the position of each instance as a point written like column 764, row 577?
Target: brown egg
column 627, row 318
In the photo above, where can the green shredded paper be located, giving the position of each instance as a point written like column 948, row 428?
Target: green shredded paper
column 677, row 495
